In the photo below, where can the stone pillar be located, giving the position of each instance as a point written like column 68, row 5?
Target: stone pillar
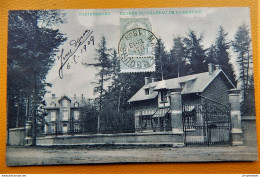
column 28, row 133
column 137, row 125
column 235, row 114
column 176, row 116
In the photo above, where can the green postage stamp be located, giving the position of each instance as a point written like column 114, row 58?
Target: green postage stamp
column 137, row 45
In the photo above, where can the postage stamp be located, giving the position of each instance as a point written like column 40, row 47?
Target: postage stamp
column 137, row 45
column 137, row 51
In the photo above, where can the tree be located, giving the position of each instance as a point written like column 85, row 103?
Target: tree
column 161, row 61
column 115, row 87
column 32, row 46
column 88, row 114
column 248, row 105
column 211, row 55
column 178, row 59
column 103, row 63
column 195, row 53
column 242, row 47
column 222, row 55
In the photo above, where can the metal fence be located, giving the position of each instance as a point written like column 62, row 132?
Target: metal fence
column 206, row 122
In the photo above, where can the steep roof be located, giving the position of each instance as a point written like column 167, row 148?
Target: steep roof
column 195, row 83
column 56, row 100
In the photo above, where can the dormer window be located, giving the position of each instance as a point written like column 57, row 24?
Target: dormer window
column 182, row 84
column 76, row 104
column 164, row 96
column 53, row 105
column 147, row 91
column 65, row 103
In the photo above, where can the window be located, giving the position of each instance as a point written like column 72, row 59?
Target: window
column 76, row 104
column 64, row 128
column 76, row 127
column 146, row 123
column 76, row 115
column 46, row 128
column 65, row 114
column 164, row 96
column 182, row 84
column 53, row 105
column 52, row 128
column 53, row 115
column 146, row 91
column 65, row 103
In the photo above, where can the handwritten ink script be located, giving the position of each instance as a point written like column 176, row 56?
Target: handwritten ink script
column 76, row 44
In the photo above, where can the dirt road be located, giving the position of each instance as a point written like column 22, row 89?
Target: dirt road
column 16, row 156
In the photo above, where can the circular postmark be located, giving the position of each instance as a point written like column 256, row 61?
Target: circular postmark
column 137, row 47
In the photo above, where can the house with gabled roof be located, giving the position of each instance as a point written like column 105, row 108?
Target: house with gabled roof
column 62, row 114
column 154, row 103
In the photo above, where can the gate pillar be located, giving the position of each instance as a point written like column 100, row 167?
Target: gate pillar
column 28, row 133
column 235, row 114
column 176, row 116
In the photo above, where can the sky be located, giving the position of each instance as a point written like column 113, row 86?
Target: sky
column 78, row 79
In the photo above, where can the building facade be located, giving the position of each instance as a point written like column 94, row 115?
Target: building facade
column 155, row 102
column 63, row 114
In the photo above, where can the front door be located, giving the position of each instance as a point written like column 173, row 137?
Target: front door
column 64, row 128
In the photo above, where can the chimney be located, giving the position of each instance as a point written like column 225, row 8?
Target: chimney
column 153, row 79
column 218, row 67
column 75, row 96
column 53, row 96
column 146, row 80
column 211, row 68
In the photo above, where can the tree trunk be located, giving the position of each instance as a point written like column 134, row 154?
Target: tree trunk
column 247, row 72
column 100, row 100
column 17, row 118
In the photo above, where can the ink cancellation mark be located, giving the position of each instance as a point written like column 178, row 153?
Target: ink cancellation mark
column 136, row 50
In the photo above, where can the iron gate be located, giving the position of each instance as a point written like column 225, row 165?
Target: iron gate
column 206, row 122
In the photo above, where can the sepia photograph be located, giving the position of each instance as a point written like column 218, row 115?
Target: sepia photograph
column 95, row 86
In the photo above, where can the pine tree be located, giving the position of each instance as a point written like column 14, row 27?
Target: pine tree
column 103, row 63
column 195, row 53
column 32, row 46
column 248, row 105
column 178, row 63
column 161, row 61
column 222, row 55
column 211, row 55
column 242, row 47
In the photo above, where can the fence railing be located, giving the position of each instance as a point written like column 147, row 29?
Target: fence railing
column 207, row 122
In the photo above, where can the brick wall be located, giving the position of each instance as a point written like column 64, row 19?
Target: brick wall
column 217, row 90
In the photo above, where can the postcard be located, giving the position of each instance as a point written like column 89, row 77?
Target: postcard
column 91, row 86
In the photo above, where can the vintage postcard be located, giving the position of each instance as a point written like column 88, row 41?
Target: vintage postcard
column 130, row 85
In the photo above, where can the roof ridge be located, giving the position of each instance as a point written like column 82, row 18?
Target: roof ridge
column 201, row 81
